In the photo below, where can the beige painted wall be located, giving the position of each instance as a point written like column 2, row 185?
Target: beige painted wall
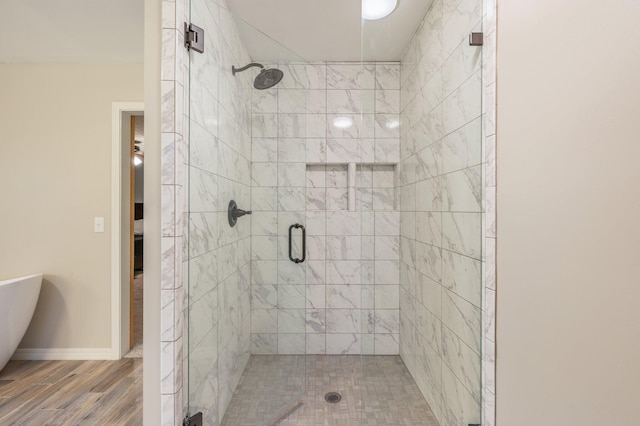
column 568, row 319
column 55, row 171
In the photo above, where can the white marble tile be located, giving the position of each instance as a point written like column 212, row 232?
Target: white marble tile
column 350, row 101
column 316, row 126
column 429, row 261
column 343, row 272
column 463, row 19
column 367, row 344
column 461, row 190
column 343, row 321
column 387, row 272
column 316, row 150
column 291, row 150
column 291, row 174
column 459, row 406
column 343, row 247
column 387, row 320
column 343, row 344
column 291, row 297
column 463, row 362
column 264, row 321
column 315, row 273
column 387, row 150
column 316, row 199
column 462, row 234
column 264, row 296
column 264, row 174
column 459, row 66
column 292, row 125
column 387, row 344
column 387, row 297
column 350, row 76
column 315, row 176
column 264, row 272
column 464, row 104
column 336, row 199
column 387, row 248
column 291, row 198
column 343, row 223
column 264, row 344
column 264, row 223
column 316, row 344
column 356, row 126
column 429, row 228
column 291, row 321
column 461, row 148
column 264, row 101
column 291, row 101
column 264, row 125
column 463, row 319
column 291, row 344
column 387, row 76
column 343, row 296
column 384, row 199
column 387, row 101
column 315, row 222
column 264, row 149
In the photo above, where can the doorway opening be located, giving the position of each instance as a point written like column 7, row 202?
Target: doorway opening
column 127, row 229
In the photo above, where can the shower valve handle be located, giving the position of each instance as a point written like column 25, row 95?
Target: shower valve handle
column 234, row 213
column 240, row 213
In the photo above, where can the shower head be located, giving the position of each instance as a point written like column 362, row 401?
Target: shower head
column 267, row 77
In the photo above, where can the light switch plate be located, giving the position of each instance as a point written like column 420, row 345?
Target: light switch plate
column 98, row 224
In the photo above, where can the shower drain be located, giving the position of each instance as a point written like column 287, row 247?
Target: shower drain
column 332, row 397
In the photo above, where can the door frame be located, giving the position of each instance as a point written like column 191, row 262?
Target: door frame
column 121, row 113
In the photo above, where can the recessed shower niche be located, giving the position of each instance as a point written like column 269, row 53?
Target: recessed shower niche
column 350, row 187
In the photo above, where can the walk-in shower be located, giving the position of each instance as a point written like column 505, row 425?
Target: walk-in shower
column 267, row 77
column 357, row 274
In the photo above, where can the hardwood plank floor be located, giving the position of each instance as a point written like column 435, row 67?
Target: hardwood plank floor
column 69, row 393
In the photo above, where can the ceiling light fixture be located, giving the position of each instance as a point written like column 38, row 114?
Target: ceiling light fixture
column 342, row 122
column 377, row 9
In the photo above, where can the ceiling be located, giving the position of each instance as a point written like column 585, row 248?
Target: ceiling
column 72, row 31
column 111, row 31
column 322, row 30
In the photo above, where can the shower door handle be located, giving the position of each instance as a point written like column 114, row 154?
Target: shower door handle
column 304, row 243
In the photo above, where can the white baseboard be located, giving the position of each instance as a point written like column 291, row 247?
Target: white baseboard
column 37, row 354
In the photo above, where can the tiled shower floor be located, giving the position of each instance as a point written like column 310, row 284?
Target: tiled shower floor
column 376, row 391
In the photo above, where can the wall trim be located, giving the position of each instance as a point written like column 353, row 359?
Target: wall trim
column 117, row 109
column 47, row 354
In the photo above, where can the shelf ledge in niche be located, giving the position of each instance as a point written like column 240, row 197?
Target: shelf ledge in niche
column 344, row 164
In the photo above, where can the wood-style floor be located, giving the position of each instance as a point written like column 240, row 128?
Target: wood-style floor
column 61, row 393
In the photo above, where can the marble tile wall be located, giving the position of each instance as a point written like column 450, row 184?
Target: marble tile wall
column 219, row 167
column 345, row 297
column 440, row 179
column 489, row 216
column 174, row 137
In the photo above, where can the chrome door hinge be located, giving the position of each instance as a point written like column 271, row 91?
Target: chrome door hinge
column 476, row 39
column 195, row 420
column 193, row 37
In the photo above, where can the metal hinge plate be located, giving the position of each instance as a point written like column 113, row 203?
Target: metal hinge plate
column 193, row 37
column 476, row 39
column 195, row 420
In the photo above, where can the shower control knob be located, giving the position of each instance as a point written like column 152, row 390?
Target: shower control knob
column 235, row 213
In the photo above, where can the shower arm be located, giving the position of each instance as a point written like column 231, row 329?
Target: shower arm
column 234, row 70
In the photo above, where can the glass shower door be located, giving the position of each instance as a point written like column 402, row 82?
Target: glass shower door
column 246, row 299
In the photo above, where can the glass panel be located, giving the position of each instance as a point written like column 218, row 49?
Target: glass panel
column 428, row 128
column 246, row 313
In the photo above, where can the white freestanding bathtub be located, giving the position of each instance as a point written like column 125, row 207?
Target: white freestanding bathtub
column 18, row 298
